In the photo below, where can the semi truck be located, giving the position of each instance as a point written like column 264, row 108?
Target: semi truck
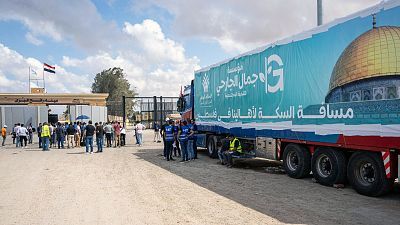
column 325, row 102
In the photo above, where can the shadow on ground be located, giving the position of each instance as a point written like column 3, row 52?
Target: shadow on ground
column 261, row 185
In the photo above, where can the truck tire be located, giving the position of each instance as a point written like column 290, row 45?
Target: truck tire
column 212, row 147
column 366, row 174
column 329, row 166
column 296, row 161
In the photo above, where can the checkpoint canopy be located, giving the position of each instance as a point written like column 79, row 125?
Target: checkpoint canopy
column 42, row 99
column 34, row 107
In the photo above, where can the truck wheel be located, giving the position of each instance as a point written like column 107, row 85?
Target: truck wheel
column 329, row 166
column 296, row 161
column 212, row 147
column 366, row 173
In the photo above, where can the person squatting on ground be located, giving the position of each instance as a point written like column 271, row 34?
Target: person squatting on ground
column 183, row 140
column 235, row 149
column 169, row 140
column 88, row 135
column 4, row 134
column 224, row 147
column 45, row 135
column 99, row 136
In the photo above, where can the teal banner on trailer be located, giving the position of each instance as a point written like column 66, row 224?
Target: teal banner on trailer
column 346, row 75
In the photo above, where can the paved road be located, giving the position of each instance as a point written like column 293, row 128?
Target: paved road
column 134, row 185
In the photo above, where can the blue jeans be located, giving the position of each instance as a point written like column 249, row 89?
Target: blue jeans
column 139, row 138
column 45, row 143
column 89, row 141
column 17, row 142
column 99, row 142
column 60, row 142
column 184, row 150
column 190, row 149
column 53, row 139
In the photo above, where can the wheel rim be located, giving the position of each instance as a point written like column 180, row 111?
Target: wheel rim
column 366, row 173
column 292, row 160
column 324, row 166
column 211, row 147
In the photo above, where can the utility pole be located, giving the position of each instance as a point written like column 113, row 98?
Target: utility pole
column 319, row 12
column 123, row 111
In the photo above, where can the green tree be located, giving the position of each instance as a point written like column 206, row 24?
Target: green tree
column 113, row 82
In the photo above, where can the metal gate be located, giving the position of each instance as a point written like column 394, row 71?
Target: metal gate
column 151, row 110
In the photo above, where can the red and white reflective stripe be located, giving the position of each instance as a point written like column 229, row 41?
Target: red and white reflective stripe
column 386, row 162
column 278, row 146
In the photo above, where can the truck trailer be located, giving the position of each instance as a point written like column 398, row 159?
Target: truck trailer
column 325, row 101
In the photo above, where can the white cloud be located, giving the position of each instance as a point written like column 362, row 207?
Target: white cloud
column 154, row 63
column 14, row 75
column 240, row 26
column 32, row 39
column 152, row 41
column 76, row 20
column 157, row 65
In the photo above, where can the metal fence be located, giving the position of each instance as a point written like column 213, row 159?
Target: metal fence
column 150, row 110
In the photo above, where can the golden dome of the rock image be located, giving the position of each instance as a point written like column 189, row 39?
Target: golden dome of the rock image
column 372, row 56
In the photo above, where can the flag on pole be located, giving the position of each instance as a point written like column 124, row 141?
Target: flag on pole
column 48, row 68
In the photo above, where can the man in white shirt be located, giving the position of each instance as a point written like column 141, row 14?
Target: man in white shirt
column 139, row 132
column 52, row 136
column 17, row 142
column 78, row 134
column 22, row 133
column 123, row 136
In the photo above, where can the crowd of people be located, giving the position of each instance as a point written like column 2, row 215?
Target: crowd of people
column 21, row 135
column 179, row 139
column 76, row 134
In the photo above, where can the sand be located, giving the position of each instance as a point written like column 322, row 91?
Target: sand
column 134, row 185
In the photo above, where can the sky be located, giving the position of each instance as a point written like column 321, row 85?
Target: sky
column 158, row 43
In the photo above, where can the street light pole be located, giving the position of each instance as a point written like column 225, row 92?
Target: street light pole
column 319, row 12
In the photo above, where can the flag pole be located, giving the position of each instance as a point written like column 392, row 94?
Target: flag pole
column 29, row 85
column 44, row 82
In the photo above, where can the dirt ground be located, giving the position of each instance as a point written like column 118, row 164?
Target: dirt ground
column 134, row 185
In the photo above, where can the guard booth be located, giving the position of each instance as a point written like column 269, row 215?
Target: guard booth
column 150, row 110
